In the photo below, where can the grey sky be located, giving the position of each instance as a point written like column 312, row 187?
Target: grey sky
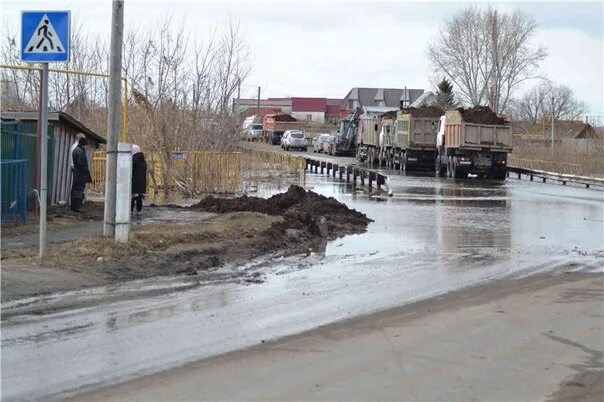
column 323, row 48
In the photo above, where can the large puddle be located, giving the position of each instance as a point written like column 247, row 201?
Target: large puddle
column 430, row 237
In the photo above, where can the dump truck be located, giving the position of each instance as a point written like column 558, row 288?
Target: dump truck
column 274, row 125
column 251, row 128
column 368, row 134
column 473, row 141
column 413, row 144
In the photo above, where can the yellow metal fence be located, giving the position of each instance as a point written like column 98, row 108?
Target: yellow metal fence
column 189, row 171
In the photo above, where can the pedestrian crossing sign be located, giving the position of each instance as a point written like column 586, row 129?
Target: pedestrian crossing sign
column 45, row 36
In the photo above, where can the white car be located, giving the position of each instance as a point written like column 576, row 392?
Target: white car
column 294, row 139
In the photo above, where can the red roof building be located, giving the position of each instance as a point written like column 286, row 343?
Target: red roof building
column 316, row 110
column 309, row 105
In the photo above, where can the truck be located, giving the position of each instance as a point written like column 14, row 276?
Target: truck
column 473, row 141
column 368, row 134
column 275, row 124
column 413, row 144
column 251, row 128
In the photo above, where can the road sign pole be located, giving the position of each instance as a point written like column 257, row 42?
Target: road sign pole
column 45, row 37
column 43, row 158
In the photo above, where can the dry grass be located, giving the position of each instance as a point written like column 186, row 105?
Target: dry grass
column 208, row 172
column 564, row 159
column 156, row 238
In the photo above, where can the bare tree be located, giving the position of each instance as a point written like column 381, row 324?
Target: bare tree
column 486, row 54
column 530, row 106
column 181, row 89
column 562, row 103
column 547, row 98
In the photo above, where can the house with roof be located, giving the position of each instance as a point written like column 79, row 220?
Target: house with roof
column 310, row 109
column 380, row 97
column 242, row 105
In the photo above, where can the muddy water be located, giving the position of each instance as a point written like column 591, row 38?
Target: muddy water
column 430, row 237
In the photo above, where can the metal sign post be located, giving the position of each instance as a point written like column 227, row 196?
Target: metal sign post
column 43, row 159
column 45, row 37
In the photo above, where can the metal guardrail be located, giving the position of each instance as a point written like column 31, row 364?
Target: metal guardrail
column 546, row 166
column 561, row 177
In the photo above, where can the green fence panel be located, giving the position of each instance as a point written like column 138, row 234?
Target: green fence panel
column 18, row 141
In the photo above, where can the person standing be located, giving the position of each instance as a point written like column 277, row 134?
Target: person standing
column 73, row 147
column 81, row 175
column 139, row 180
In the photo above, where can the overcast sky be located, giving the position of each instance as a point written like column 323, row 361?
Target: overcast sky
column 324, row 48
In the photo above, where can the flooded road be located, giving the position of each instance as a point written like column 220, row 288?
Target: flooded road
column 431, row 237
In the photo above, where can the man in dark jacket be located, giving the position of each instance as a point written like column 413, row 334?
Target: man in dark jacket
column 81, row 175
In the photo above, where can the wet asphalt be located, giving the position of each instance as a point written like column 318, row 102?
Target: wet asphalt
column 430, row 237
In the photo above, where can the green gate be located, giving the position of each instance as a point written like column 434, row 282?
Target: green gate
column 18, row 141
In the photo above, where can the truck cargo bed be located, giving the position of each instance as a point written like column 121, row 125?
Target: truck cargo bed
column 478, row 136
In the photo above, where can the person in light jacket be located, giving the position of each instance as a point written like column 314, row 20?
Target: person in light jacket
column 139, row 180
column 81, row 175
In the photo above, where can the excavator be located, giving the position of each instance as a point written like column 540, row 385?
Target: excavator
column 345, row 140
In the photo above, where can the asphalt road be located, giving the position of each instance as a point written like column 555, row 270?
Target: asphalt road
column 517, row 341
column 431, row 237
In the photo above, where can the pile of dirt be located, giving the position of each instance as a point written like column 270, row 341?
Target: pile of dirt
column 481, row 115
column 284, row 117
column 424, row 111
column 389, row 115
column 301, row 209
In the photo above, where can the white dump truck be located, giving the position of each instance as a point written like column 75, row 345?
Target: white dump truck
column 368, row 134
column 473, row 141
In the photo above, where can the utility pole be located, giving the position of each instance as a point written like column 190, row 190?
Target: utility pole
column 238, row 94
column 552, row 126
column 258, row 100
column 114, row 114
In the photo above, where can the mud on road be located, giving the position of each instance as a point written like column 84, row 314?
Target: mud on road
column 297, row 221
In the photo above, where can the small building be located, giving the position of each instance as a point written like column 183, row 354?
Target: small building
column 428, row 98
column 309, row 109
column 62, row 131
column 332, row 113
column 380, row 97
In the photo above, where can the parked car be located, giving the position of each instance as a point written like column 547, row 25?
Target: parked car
column 318, row 143
column 329, row 144
column 294, row 139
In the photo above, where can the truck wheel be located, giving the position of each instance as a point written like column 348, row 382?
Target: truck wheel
column 449, row 167
column 459, row 172
column 498, row 172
